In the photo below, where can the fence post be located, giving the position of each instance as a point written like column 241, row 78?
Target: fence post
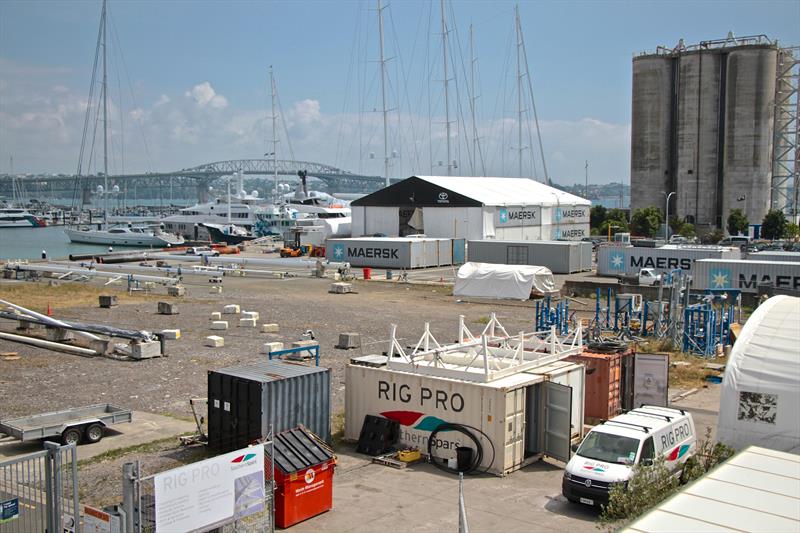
column 53, row 474
column 128, row 491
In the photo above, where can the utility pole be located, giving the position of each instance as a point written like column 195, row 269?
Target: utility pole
column 383, row 94
column 446, row 101
column 519, row 90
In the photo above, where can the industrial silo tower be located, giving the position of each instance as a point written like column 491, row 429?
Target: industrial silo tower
column 716, row 123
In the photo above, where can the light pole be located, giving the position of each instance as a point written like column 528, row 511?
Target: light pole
column 666, row 226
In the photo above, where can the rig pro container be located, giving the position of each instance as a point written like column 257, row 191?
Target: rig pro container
column 516, row 419
column 244, row 400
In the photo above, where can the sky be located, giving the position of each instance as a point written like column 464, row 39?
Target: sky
column 188, row 81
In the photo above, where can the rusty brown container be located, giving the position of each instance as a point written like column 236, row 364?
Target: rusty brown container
column 604, row 384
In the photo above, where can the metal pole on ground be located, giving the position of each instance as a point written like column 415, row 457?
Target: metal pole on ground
column 463, row 526
column 127, row 495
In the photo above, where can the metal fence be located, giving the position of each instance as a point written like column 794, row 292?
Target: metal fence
column 43, row 489
column 139, row 502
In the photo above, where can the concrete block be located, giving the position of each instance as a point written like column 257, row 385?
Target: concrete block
column 171, row 334
column 251, row 314
column 232, row 309
column 59, row 335
column 214, row 341
column 247, row 322
column 348, row 341
column 216, row 289
column 304, row 343
column 177, row 290
column 107, row 302
column 269, row 347
column 341, row 288
column 219, row 324
column 145, row 350
column 269, row 328
column 216, row 315
column 167, row 308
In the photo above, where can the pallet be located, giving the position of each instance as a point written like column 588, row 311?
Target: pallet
column 389, row 460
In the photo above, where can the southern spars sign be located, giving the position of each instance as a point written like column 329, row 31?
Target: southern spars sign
column 509, row 217
column 211, row 492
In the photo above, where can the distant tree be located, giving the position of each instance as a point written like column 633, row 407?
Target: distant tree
column 617, row 214
column 792, row 231
column 646, row 221
column 675, row 224
column 774, row 225
column 687, row 230
column 737, row 222
column 617, row 227
column 597, row 216
column 712, row 237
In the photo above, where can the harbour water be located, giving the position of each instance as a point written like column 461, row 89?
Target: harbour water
column 28, row 243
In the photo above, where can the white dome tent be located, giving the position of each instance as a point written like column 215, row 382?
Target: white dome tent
column 760, row 401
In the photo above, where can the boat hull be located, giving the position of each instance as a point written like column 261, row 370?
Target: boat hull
column 118, row 239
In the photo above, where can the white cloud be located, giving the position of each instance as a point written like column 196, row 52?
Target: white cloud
column 306, row 111
column 163, row 99
column 205, row 95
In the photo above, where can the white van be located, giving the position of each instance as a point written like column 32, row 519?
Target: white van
column 608, row 452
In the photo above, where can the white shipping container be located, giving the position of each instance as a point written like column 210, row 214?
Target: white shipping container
column 774, row 255
column 516, row 418
column 745, row 275
column 628, row 260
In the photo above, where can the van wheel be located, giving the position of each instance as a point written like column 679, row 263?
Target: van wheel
column 94, row 433
column 71, row 436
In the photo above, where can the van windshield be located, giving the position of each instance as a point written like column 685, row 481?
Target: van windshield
column 609, row 448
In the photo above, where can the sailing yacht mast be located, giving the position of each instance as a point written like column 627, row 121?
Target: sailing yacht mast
column 383, row 93
column 446, row 101
column 105, row 123
column 274, row 139
column 519, row 91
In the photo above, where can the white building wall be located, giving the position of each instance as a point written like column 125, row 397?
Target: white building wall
column 357, row 228
column 520, row 233
column 385, row 220
column 453, row 222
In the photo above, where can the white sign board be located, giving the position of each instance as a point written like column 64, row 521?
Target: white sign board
column 97, row 521
column 571, row 214
column 211, row 492
column 511, row 216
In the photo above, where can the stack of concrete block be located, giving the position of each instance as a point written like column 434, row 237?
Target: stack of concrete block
column 269, row 328
column 216, row 315
column 269, row 347
column 348, row 341
column 341, row 288
column 216, row 289
column 232, row 309
column 167, row 308
column 177, row 290
column 247, row 322
column 106, row 302
column 214, row 341
column 251, row 314
column 304, row 343
column 219, row 324
column 171, row 334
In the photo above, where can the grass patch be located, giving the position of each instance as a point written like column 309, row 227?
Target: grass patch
column 38, row 295
column 483, row 320
column 144, row 448
column 337, row 429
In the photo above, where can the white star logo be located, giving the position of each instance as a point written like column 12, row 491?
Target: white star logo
column 617, row 260
column 503, row 216
column 719, row 279
column 338, row 251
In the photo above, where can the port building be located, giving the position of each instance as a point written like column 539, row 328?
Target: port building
column 472, row 208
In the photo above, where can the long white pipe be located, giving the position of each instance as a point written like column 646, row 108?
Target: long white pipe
column 192, row 270
column 41, row 343
column 49, row 320
column 94, row 273
column 309, row 264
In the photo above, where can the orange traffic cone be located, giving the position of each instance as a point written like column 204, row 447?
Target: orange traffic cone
column 49, row 310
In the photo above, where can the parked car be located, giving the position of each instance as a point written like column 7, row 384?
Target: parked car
column 201, row 250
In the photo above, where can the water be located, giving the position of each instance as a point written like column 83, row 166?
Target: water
column 28, row 243
column 612, row 202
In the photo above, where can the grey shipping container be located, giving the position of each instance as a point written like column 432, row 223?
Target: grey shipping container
column 628, row 260
column 774, row 255
column 396, row 252
column 745, row 275
column 244, row 400
column 559, row 256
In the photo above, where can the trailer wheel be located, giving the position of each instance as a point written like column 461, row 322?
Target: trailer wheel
column 71, row 436
column 94, row 433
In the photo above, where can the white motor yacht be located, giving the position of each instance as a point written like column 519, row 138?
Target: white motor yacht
column 122, row 235
column 13, row 217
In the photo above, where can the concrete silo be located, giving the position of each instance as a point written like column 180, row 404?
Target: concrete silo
column 749, row 123
column 651, row 127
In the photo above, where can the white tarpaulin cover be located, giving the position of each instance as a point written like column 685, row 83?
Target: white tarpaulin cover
column 760, row 401
column 487, row 280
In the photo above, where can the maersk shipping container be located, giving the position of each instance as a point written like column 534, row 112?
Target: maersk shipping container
column 774, row 255
column 559, row 256
column 396, row 252
column 746, row 275
column 628, row 260
column 244, row 400
column 516, row 419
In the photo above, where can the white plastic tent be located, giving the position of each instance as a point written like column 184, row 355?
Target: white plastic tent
column 515, row 282
column 760, row 401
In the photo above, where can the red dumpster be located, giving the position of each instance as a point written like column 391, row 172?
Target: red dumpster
column 303, row 477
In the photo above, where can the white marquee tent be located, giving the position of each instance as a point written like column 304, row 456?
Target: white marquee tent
column 760, row 402
column 513, row 282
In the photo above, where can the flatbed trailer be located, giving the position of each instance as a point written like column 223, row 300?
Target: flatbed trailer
column 71, row 426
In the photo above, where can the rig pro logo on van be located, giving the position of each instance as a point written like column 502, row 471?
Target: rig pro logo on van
column 719, row 278
column 678, row 452
column 616, row 260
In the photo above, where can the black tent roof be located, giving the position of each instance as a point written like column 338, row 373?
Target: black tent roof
column 416, row 192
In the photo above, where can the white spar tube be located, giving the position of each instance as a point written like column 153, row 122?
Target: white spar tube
column 309, row 264
column 95, row 273
column 41, row 343
column 49, row 320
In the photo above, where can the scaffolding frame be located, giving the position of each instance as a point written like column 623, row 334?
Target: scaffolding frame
column 493, row 354
column 786, row 139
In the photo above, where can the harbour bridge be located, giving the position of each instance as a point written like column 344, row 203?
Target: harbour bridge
column 199, row 177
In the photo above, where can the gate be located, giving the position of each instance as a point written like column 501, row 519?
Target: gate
column 39, row 491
